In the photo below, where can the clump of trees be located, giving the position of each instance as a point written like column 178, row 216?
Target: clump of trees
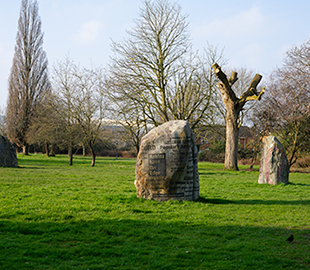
column 67, row 111
column 154, row 76
column 73, row 112
column 78, row 101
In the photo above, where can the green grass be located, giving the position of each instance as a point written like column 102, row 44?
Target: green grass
column 53, row 216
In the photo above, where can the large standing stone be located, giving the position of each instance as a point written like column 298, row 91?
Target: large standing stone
column 7, row 153
column 167, row 163
column 274, row 167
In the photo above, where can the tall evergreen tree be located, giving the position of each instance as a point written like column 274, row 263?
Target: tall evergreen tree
column 28, row 81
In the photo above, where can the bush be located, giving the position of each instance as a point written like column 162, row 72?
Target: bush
column 202, row 155
column 217, row 147
column 129, row 154
column 244, row 153
column 303, row 162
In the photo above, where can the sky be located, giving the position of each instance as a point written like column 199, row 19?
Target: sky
column 254, row 34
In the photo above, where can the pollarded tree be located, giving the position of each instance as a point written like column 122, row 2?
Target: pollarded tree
column 234, row 106
column 28, row 81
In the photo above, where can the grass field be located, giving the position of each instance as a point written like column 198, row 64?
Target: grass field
column 53, row 216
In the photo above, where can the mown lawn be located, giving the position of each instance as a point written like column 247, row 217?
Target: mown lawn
column 53, row 216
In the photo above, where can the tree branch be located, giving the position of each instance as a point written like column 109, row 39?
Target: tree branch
column 251, row 93
column 233, row 78
column 225, row 85
column 255, row 97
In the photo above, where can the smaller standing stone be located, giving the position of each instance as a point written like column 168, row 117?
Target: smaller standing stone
column 8, row 156
column 166, row 166
column 274, row 167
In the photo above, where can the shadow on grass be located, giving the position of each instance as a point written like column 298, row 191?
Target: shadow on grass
column 298, row 184
column 252, row 202
column 37, row 167
column 142, row 244
column 63, row 160
column 209, row 173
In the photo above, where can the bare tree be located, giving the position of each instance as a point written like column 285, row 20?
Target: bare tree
column 190, row 97
column 134, row 122
column 28, row 81
column 285, row 111
column 155, row 68
column 147, row 59
column 47, row 128
column 89, row 106
column 63, row 100
column 78, row 99
column 234, row 106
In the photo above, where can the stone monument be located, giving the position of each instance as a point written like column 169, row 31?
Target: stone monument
column 274, row 167
column 7, row 153
column 166, row 167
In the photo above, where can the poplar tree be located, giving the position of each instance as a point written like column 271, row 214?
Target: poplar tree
column 28, row 80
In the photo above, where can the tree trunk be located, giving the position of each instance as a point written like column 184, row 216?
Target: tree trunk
column 137, row 148
column 70, row 154
column 93, row 155
column 52, row 151
column 84, row 150
column 47, row 148
column 253, row 157
column 232, row 129
column 26, row 150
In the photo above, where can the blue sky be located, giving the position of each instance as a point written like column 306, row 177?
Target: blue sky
column 254, row 34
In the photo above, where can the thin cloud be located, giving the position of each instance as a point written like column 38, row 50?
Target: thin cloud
column 89, row 32
column 252, row 55
column 243, row 24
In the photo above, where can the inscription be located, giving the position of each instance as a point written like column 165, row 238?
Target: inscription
column 149, row 147
column 157, row 165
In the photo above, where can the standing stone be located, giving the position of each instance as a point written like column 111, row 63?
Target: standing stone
column 166, row 167
column 7, row 153
column 274, row 167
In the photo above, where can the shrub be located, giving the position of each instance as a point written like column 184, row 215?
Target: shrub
column 303, row 162
column 244, row 153
column 202, row 155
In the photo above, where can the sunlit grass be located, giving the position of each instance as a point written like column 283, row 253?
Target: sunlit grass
column 55, row 216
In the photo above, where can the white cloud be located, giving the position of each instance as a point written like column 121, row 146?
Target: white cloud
column 89, row 32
